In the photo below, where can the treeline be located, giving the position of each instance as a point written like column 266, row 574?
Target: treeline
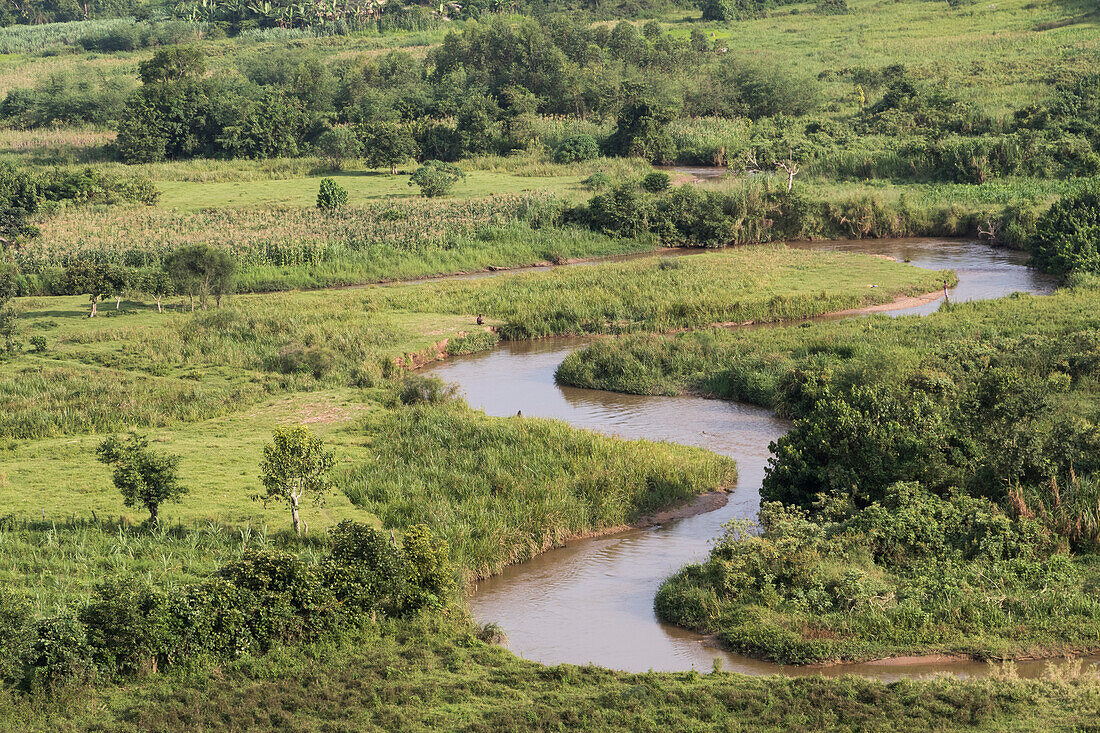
column 486, row 87
column 265, row 598
column 477, row 93
column 763, row 210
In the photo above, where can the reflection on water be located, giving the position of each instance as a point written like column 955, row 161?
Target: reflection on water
column 984, row 272
column 592, row 601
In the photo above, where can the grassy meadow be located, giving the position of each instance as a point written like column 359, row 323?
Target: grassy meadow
column 210, row 386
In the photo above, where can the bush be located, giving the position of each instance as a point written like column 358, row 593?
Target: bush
column 59, row 656
column 577, row 148
column 1067, row 237
column 331, row 195
column 832, row 7
column 656, row 182
column 436, row 178
column 598, row 181
column 365, row 570
column 430, row 575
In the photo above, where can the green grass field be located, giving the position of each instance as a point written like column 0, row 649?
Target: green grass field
column 211, row 386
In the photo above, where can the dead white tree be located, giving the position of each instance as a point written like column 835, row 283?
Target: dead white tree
column 790, row 167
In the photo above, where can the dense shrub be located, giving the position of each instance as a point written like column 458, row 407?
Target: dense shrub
column 331, row 196
column 1067, row 236
column 436, row 178
column 577, row 148
column 656, row 182
column 265, row 598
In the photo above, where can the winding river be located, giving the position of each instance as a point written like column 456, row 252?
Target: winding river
column 592, row 601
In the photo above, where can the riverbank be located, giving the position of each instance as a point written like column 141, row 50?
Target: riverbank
column 545, row 628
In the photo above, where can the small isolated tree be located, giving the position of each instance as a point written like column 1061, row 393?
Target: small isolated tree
column 87, row 277
column 142, row 475
column 386, row 145
column 120, row 280
column 331, row 195
column 436, row 178
column 156, row 284
column 295, row 464
column 338, row 145
column 202, row 270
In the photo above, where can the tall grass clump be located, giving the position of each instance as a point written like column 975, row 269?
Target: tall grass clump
column 503, row 490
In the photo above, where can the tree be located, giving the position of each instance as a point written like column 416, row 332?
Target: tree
column 172, row 115
column 142, row 475
column 8, row 290
column 640, row 131
column 295, row 464
column 386, row 145
column 331, row 196
column 203, row 271
column 91, row 278
column 436, row 178
column 119, row 280
column 577, row 148
column 337, row 145
column 19, row 198
column 157, row 284
column 1067, row 238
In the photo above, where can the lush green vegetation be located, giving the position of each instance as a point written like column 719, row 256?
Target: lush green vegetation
column 428, row 675
column 938, row 483
column 938, row 491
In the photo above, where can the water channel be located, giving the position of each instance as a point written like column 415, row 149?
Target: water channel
column 592, row 601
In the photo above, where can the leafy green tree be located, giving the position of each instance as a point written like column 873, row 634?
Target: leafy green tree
column 386, row 145
column 156, row 283
column 577, row 148
column 476, row 125
column 337, row 145
column 1067, row 238
column 142, row 475
column 89, row 277
column 203, row 271
column 331, row 196
column 640, row 131
column 295, row 464
column 436, row 178
column 720, row 10
column 171, row 116
column 267, row 128
column 19, row 198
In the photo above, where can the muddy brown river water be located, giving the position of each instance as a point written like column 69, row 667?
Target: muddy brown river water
column 592, row 601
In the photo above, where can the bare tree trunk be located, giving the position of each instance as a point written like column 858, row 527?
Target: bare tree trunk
column 294, row 514
column 159, row 309
column 118, row 302
column 94, row 311
column 154, row 514
column 192, row 295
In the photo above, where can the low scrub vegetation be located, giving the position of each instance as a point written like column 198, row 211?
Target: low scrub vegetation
column 928, row 455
